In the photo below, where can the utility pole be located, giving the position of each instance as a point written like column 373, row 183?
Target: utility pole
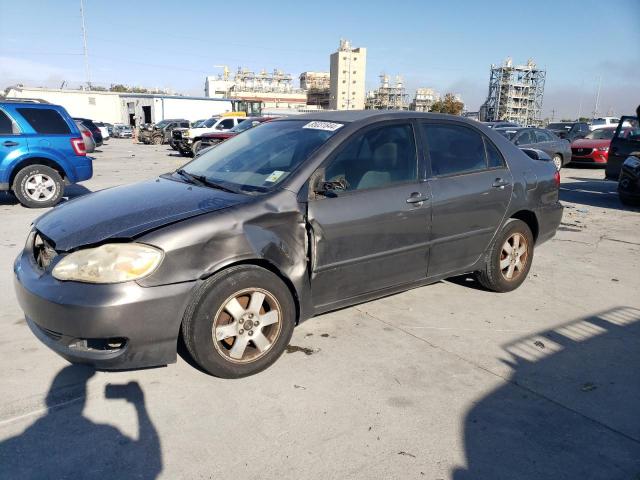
column 595, row 109
column 580, row 102
column 84, row 45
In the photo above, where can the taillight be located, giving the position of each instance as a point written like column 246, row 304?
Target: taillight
column 79, row 148
column 556, row 177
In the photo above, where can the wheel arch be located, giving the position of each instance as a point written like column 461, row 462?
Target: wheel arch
column 530, row 218
column 267, row 265
column 36, row 161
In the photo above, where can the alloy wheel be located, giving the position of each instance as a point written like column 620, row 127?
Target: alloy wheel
column 40, row 188
column 514, row 256
column 247, row 325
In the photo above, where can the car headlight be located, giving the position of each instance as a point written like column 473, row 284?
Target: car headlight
column 602, row 149
column 110, row 263
column 185, row 133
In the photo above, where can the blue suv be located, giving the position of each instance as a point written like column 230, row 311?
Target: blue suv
column 41, row 150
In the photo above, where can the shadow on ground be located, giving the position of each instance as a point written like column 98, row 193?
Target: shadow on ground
column 595, row 193
column 70, row 192
column 64, row 444
column 571, row 409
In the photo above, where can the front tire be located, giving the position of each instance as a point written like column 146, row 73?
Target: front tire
column 157, row 140
column 239, row 322
column 508, row 260
column 197, row 145
column 38, row 186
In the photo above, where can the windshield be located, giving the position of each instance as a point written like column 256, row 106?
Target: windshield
column 244, row 125
column 560, row 126
column 507, row 133
column 598, row 121
column 262, row 157
column 210, row 122
column 601, row 134
column 162, row 123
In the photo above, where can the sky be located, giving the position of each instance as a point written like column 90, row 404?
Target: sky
column 446, row 45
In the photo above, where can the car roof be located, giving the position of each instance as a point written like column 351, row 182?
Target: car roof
column 371, row 116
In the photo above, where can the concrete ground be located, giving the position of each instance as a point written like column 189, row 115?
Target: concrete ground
column 446, row 381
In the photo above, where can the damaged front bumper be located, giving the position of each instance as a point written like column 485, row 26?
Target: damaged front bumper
column 112, row 327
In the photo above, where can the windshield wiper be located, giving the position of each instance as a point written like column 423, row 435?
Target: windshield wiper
column 203, row 181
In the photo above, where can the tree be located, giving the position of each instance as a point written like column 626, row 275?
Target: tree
column 119, row 88
column 448, row 104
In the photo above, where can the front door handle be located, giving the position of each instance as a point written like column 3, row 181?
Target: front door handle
column 500, row 183
column 417, row 198
column 9, row 143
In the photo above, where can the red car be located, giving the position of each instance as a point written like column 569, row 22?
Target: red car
column 593, row 148
column 211, row 139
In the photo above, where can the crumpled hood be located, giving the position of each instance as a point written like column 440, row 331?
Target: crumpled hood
column 129, row 210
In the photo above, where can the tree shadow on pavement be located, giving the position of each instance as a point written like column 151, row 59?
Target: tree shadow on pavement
column 64, row 444
column 571, row 409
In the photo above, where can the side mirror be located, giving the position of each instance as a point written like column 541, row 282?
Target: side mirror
column 330, row 188
column 536, row 154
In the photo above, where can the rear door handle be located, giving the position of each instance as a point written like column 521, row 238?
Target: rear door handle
column 417, row 197
column 9, row 143
column 500, row 183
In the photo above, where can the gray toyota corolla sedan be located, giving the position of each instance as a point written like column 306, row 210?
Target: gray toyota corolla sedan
column 285, row 221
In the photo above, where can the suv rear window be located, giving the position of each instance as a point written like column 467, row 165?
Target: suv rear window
column 45, row 120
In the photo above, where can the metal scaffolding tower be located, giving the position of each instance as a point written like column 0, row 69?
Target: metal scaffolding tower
column 515, row 93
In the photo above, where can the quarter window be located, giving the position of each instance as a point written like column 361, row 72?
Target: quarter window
column 494, row 159
column 6, row 124
column 376, row 158
column 454, row 149
column 525, row 138
column 45, row 120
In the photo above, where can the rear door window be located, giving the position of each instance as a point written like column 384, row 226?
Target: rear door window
column 45, row 120
column 525, row 138
column 542, row 136
column 454, row 149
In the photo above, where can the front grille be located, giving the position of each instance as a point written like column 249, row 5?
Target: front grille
column 581, row 151
column 43, row 251
column 177, row 135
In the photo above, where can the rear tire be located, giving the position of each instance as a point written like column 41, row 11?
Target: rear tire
column 212, row 327
column 38, row 186
column 509, row 257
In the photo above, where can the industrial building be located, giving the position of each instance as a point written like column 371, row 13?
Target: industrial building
column 347, row 71
column 387, row 96
column 275, row 89
column 317, row 85
column 423, row 99
column 126, row 108
column 515, row 93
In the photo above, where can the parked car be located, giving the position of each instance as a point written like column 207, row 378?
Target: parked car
column 210, row 139
column 603, row 122
column 569, row 130
column 594, row 148
column 122, row 131
column 186, row 139
column 629, row 183
column 297, row 217
column 87, row 137
column 625, row 142
column 559, row 150
column 41, row 150
column 93, row 128
column 500, row 124
column 161, row 132
column 104, row 131
column 109, row 128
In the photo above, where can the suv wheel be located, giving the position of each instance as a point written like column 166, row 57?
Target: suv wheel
column 239, row 322
column 197, row 146
column 157, row 140
column 38, row 186
column 509, row 257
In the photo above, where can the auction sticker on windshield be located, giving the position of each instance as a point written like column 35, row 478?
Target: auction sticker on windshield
column 328, row 126
column 275, row 176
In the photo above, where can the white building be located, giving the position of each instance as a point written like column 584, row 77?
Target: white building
column 347, row 72
column 127, row 108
